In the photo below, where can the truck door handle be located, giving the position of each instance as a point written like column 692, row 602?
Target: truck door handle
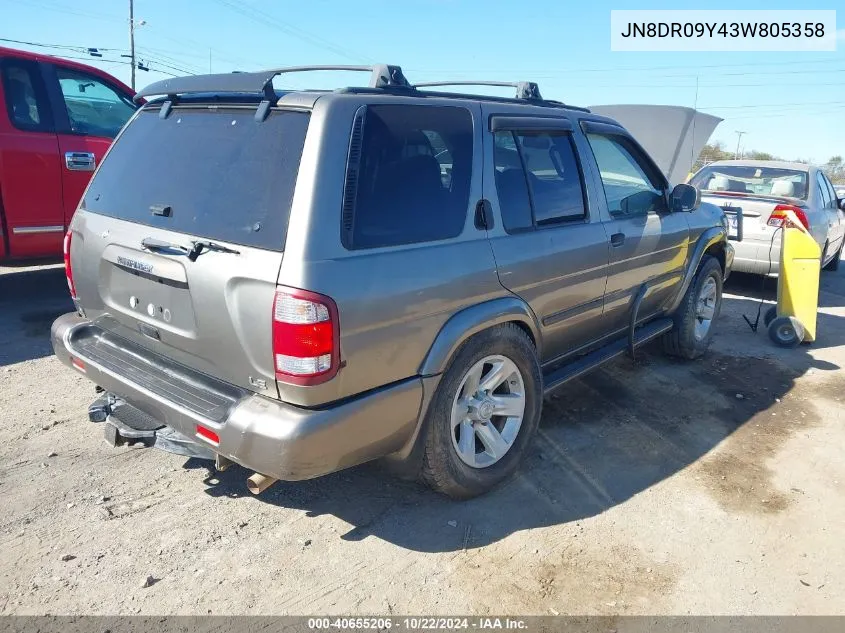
column 80, row 161
column 617, row 239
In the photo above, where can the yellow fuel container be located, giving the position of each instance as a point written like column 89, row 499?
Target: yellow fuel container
column 794, row 320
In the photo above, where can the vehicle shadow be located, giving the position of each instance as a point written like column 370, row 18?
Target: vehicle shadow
column 603, row 439
column 30, row 300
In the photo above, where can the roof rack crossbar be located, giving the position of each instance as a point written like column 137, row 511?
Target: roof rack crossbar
column 261, row 82
column 524, row 89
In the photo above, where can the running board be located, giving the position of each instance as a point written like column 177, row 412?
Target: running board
column 604, row 354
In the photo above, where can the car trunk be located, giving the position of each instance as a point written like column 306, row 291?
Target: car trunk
column 755, row 212
column 207, row 175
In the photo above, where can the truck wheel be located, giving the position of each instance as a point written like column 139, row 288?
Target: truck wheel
column 484, row 414
column 833, row 264
column 694, row 318
column 770, row 315
column 786, row 331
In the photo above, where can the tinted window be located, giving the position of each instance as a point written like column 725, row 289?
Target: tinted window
column 627, row 187
column 553, row 177
column 549, row 184
column 93, row 107
column 511, row 184
column 752, row 179
column 414, row 176
column 224, row 175
column 26, row 102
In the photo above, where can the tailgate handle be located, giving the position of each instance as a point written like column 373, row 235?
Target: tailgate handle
column 80, row 161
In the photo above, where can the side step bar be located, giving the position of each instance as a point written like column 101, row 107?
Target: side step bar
column 602, row 355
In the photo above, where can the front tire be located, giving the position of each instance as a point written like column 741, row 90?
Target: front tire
column 484, row 414
column 699, row 309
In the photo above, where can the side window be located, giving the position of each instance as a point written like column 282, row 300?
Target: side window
column 26, row 101
column 627, row 187
column 824, row 194
column 93, row 107
column 539, row 173
column 511, row 184
column 831, row 192
column 413, row 178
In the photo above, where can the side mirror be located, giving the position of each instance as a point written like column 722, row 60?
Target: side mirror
column 842, row 204
column 685, row 198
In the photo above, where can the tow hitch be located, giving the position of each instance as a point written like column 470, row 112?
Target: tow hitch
column 125, row 425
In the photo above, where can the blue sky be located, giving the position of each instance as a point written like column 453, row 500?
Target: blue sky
column 789, row 104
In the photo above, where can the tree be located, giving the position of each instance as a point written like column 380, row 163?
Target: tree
column 835, row 169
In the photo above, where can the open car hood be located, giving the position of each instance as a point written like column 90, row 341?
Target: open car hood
column 673, row 135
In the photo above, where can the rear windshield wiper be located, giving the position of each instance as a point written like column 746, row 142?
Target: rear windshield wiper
column 196, row 249
column 201, row 245
column 152, row 244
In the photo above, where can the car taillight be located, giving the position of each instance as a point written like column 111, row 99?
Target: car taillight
column 306, row 337
column 778, row 216
column 68, row 269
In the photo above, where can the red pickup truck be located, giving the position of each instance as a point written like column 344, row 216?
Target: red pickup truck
column 57, row 119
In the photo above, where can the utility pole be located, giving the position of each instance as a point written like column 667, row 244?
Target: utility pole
column 738, row 138
column 132, row 40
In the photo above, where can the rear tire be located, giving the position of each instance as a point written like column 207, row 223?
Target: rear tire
column 447, row 452
column 691, row 336
column 786, row 331
column 833, row 264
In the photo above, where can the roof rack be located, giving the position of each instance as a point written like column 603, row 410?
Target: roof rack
column 524, row 89
column 261, row 82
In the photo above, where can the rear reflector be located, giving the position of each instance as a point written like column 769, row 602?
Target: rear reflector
column 77, row 363
column 779, row 216
column 208, row 434
column 68, row 270
column 306, row 339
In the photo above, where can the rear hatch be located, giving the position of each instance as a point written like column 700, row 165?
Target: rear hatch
column 179, row 239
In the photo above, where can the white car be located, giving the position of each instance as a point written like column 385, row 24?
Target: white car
column 758, row 188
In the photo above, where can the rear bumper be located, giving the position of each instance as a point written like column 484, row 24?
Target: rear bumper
column 262, row 434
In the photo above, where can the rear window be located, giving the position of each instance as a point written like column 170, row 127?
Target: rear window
column 223, row 175
column 754, row 180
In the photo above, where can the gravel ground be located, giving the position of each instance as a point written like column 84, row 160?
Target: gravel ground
column 655, row 487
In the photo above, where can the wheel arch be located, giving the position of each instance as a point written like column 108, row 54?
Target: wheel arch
column 713, row 242
column 474, row 319
column 407, row 461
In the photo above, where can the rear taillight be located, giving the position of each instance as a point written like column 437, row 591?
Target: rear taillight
column 68, row 269
column 779, row 216
column 306, row 337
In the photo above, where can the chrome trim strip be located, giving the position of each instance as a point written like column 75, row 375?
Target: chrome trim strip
column 25, row 230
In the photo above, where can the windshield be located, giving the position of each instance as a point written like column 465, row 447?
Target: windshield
column 753, row 180
column 214, row 173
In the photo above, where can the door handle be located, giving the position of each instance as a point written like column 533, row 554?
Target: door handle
column 80, row 161
column 617, row 239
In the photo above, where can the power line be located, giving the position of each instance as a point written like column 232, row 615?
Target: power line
column 266, row 19
column 617, row 69
column 774, row 105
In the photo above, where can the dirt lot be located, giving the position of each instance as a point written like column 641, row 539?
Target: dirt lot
column 713, row 487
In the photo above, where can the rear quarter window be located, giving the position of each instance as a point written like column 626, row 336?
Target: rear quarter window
column 224, row 175
column 413, row 176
